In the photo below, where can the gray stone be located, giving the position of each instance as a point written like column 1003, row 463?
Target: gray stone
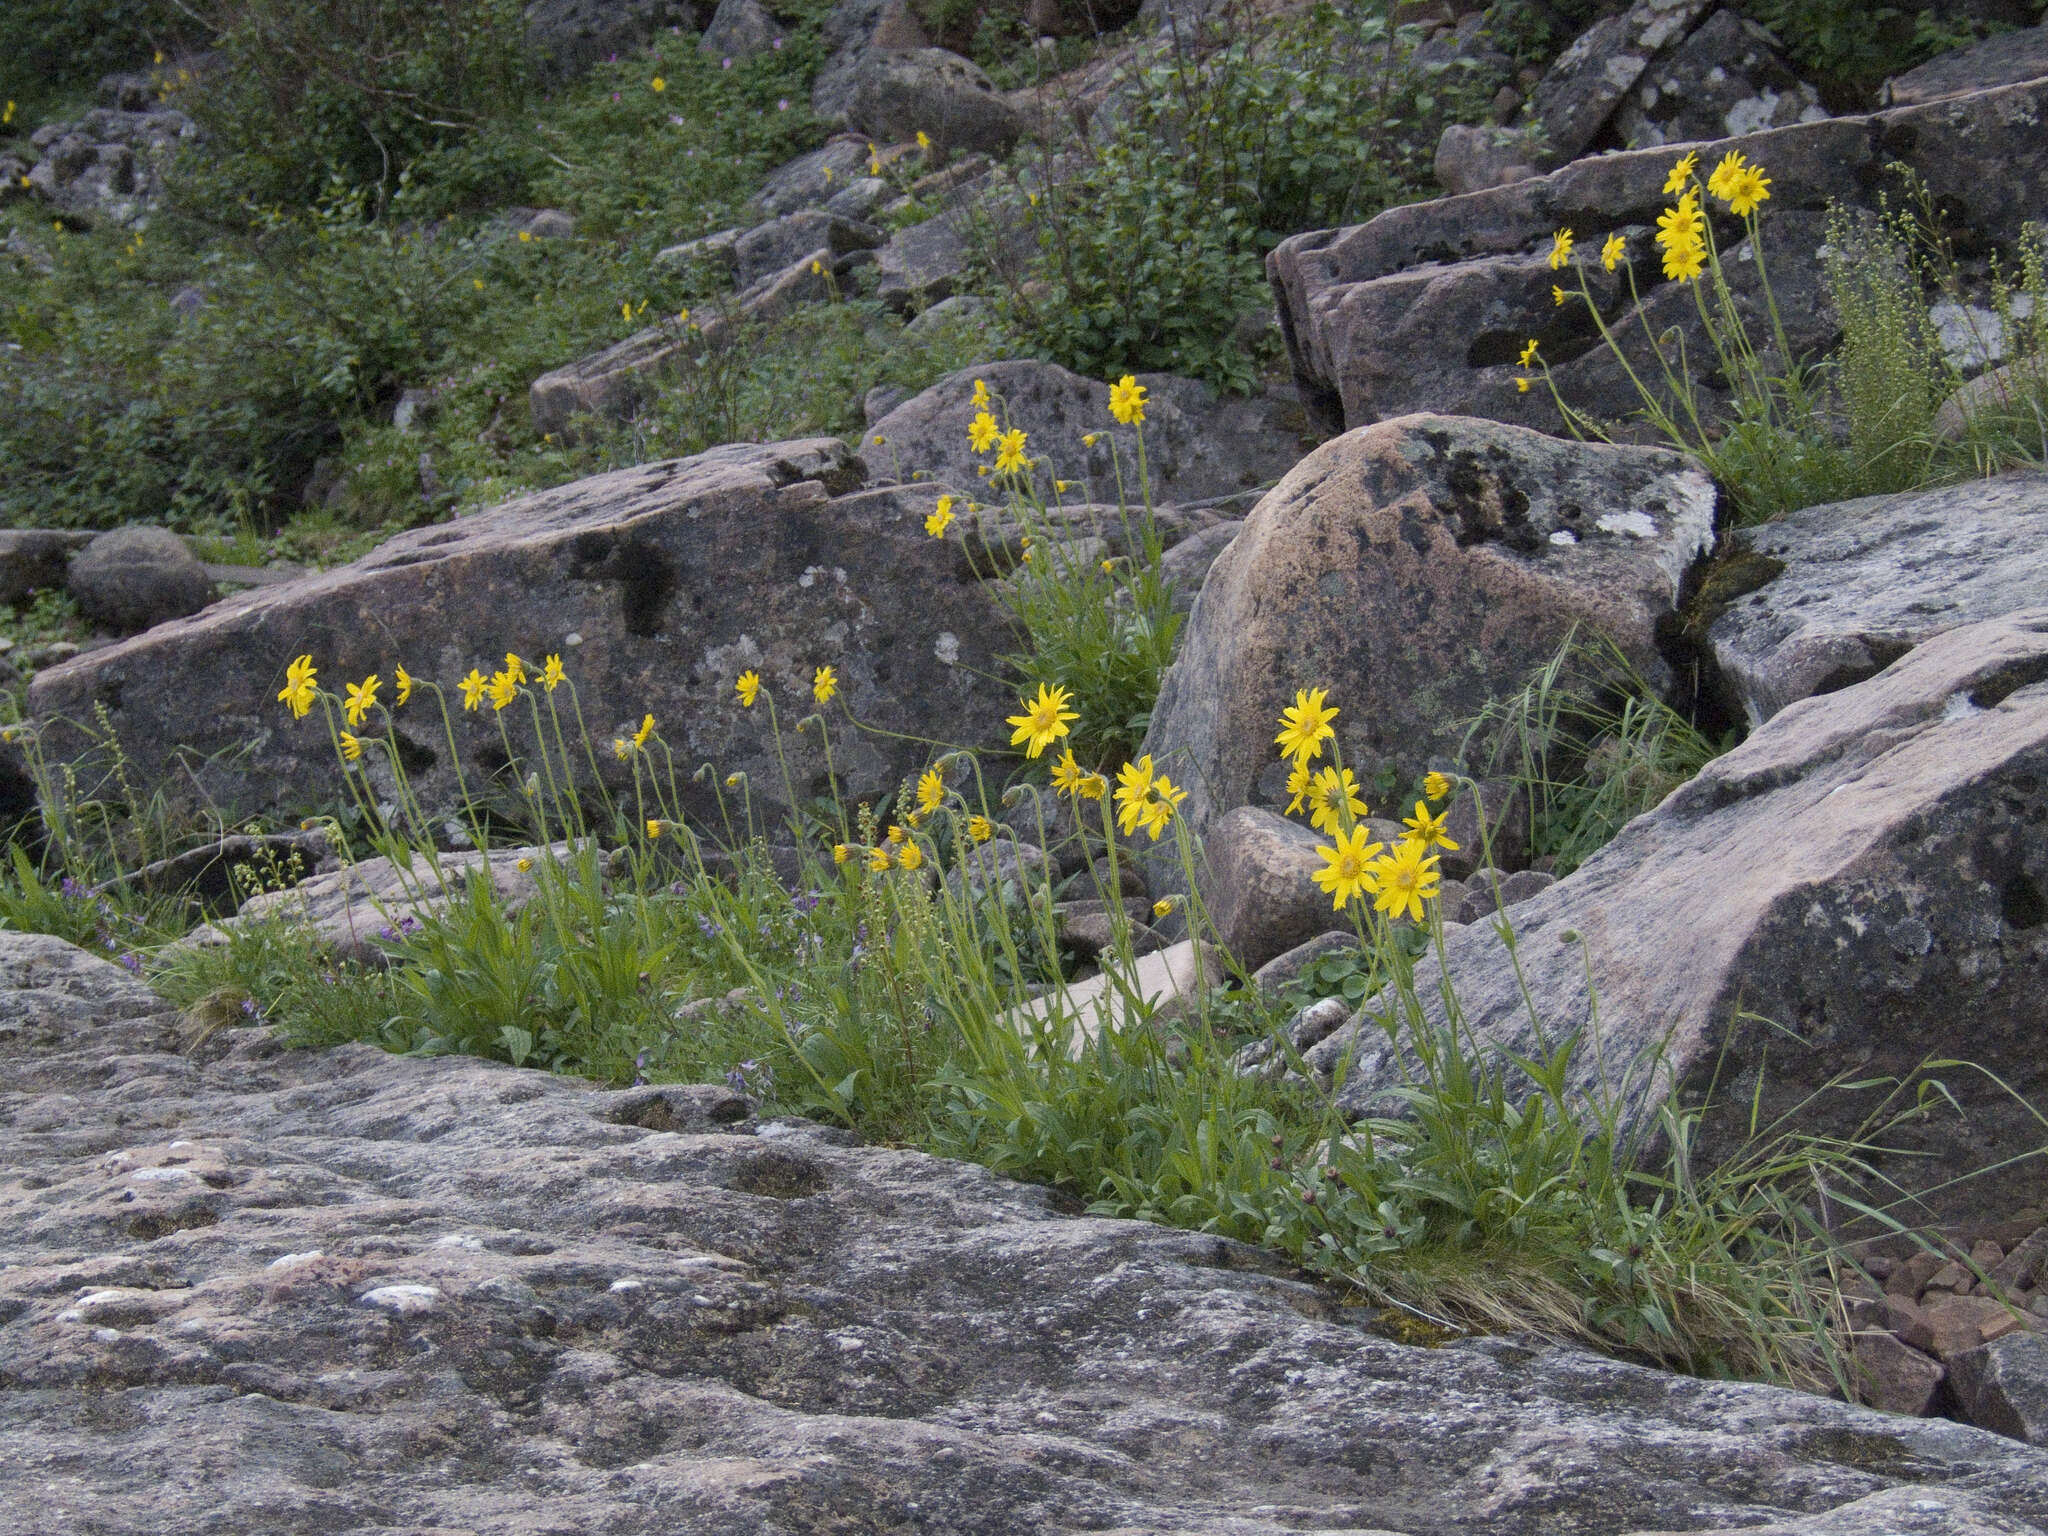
column 1282, row 971
column 136, row 577
column 717, row 253
column 922, row 264
column 880, row 401
column 814, row 178
column 1489, row 822
column 32, row 559
column 2007, row 59
column 1255, row 881
column 854, row 29
column 1186, row 565
column 739, row 29
column 1427, row 307
column 1002, row 865
column 774, row 247
column 657, row 585
column 1726, row 79
column 1475, row 548
column 859, row 198
column 1592, row 77
column 1860, row 583
column 1471, row 159
column 1855, row 889
column 1090, row 927
column 566, row 37
column 900, row 93
column 109, row 166
column 655, row 1311
column 2003, row 1385
column 2018, row 389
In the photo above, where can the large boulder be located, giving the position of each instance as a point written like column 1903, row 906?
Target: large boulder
column 133, row 578
column 739, row 29
column 1417, row 569
column 854, row 29
column 566, row 37
column 657, row 586
column 33, row 559
column 323, row 1291
column 1836, row 593
column 1726, row 78
column 1427, row 307
column 2002, row 60
column 900, row 93
column 1859, row 888
column 778, row 244
column 1594, row 76
column 109, row 165
column 1257, row 884
column 1197, row 447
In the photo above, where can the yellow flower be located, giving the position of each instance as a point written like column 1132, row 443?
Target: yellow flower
column 1347, row 870
column 1612, row 251
column 551, row 674
column 1681, row 173
column 940, row 518
column 1522, row 383
column 1299, row 782
column 1435, row 785
column 515, row 668
column 621, row 748
column 301, row 685
column 880, row 441
column 1727, row 176
column 1405, row 879
column 1560, row 249
column 982, row 432
column 1305, row 725
column 524, row 865
column 1428, row 830
column 1166, row 799
column 841, row 853
column 503, row 689
column 1127, row 400
column 1133, row 793
column 824, row 683
column 878, row 859
column 1043, row 722
column 1068, row 775
column 924, row 141
column 732, row 780
column 350, row 747
column 1683, row 263
column 980, row 828
column 360, row 700
column 646, row 730
column 817, row 270
column 911, row 856
column 1682, row 224
column 1556, row 295
column 931, row 791
column 475, row 282
column 474, row 687
column 1332, row 795
column 659, row 84
column 404, row 683
column 653, row 828
column 1163, row 906
column 748, row 688
column 1752, row 187
column 1010, row 451
column 979, row 399
column 1088, row 439
column 1528, row 353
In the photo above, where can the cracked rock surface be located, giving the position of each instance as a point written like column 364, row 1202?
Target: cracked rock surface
column 255, row 1289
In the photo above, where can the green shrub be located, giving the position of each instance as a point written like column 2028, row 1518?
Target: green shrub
column 53, row 49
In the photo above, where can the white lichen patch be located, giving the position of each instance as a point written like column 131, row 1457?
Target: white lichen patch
column 404, row 1300
column 1636, row 525
column 947, row 648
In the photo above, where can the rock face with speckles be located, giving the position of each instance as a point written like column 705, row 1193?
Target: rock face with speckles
column 656, row 585
column 260, row 1290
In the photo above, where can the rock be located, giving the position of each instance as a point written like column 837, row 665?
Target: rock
column 922, row 264
column 1282, row 971
column 900, row 93
column 1946, row 1326
column 812, row 179
column 109, row 166
column 859, row 198
column 566, row 37
column 1317, row 1022
column 1186, row 565
column 1490, row 824
column 1484, row 899
column 1002, row 864
column 1893, row 1378
column 1162, row 984
column 136, row 577
column 2003, row 1385
column 1089, row 927
column 1197, row 447
column 32, row 559
column 755, row 1327
column 880, row 401
column 657, row 585
column 1866, row 873
column 1592, row 77
column 2014, row 387
column 1471, row 159
column 739, row 29
column 774, row 247
column 1473, row 547
column 716, row 253
column 1860, row 583
column 1725, row 80
column 2006, row 59
column 853, row 29
column 212, row 873
column 1255, row 880
column 1427, row 307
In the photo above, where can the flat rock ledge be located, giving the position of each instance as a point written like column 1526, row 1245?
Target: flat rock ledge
column 255, row 1289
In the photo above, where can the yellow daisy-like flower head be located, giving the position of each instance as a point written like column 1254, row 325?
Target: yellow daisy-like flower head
column 1528, row 353
column 980, row 828
column 1163, row 907
column 1347, row 867
column 658, row 85
column 1127, row 400
column 924, row 141
column 1612, row 252
column 824, row 684
column 640, row 737
column 982, row 432
column 940, row 518
column 1166, row 799
column 1133, row 793
column 931, row 791
column 1684, row 262
column 474, row 687
column 1333, row 794
column 1428, row 830
column 1560, row 249
column 1300, row 780
column 1683, row 224
column 910, row 856
column 1305, row 725
column 748, row 687
column 301, row 686
column 1727, row 175
column 1752, row 187
column 515, row 668
column 1557, row 295
column 979, row 399
column 1043, row 722
column 552, row 675
column 1010, row 452
column 1522, row 383
column 1435, row 785
column 621, row 748
column 404, row 680
column 1405, row 879
column 894, row 834
column 1068, row 776
column 653, row 828
column 1092, row 787
column 1681, row 173
column 841, row 853
column 878, row 858
column 350, row 747
column 503, row 689
column 360, row 699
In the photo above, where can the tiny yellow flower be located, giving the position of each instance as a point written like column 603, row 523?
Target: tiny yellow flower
column 301, row 686
column 931, row 791
column 980, row 828
column 924, row 141
column 524, row 865
column 515, row 668
column 1557, row 295
column 1088, row 439
column 503, row 689
column 979, row 398
column 404, row 684
column 1560, row 249
column 911, row 856
column 982, row 432
column 1612, row 252
column 1528, row 356
column 1068, row 775
column 1522, row 383
column 878, row 858
column 880, row 441
column 940, row 518
column 474, row 687
column 658, row 84
column 653, row 828
column 1347, row 870
column 1010, row 452
column 841, row 853
column 1300, row 780
column 732, row 780
column 824, row 684
column 1426, row 829
column 1127, row 400
column 475, row 282
column 748, row 687
column 817, row 270
column 1435, row 785
column 361, row 699
column 1681, row 173
column 526, row 237
column 1043, row 722
column 646, row 730
column 894, row 834
column 350, row 747
column 1163, row 906
column 621, row 748
column 551, row 674
column 1305, row 725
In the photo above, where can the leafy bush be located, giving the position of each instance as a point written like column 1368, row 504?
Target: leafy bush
column 1848, row 48
column 51, row 48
